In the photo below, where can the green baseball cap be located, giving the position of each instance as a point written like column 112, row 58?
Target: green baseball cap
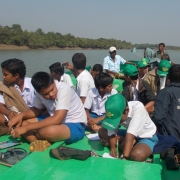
column 163, row 67
column 130, row 70
column 143, row 63
column 114, row 106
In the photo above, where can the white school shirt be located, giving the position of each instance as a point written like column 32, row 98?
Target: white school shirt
column 67, row 99
column 85, row 82
column 28, row 93
column 138, row 122
column 1, row 98
column 162, row 82
column 95, row 103
column 66, row 79
column 135, row 91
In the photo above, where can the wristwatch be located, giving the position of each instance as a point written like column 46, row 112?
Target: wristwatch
column 124, row 157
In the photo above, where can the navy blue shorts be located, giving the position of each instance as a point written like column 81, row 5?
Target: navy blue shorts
column 94, row 115
column 77, row 132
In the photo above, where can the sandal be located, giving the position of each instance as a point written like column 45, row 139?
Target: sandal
column 39, row 145
column 12, row 156
column 4, row 130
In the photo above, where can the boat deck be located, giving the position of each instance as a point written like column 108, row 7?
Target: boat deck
column 40, row 165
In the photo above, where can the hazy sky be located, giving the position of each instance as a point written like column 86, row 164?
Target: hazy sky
column 136, row 21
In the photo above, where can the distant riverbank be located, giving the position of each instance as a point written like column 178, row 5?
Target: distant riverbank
column 14, row 47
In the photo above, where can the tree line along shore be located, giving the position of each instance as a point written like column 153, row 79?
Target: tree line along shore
column 15, row 38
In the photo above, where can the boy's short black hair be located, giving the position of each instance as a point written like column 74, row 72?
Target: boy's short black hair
column 57, row 68
column 174, row 73
column 103, row 79
column 41, row 80
column 79, row 61
column 98, row 67
column 165, row 56
column 14, row 66
column 162, row 44
column 134, row 77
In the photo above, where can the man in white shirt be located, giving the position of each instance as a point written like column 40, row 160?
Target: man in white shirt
column 140, row 137
column 112, row 64
column 84, row 79
column 67, row 118
column 57, row 73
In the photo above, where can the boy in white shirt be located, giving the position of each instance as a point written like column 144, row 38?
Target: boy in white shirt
column 140, row 137
column 96, row 98
column 14, row 71
column 84, row 79
column 67, row 118
column 57, row 73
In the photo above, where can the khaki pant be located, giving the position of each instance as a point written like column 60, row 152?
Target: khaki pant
column 118, row 76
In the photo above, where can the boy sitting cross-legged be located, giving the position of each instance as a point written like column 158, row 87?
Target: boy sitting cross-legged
column 138, row 141
column 67, row 118
column 96, row 98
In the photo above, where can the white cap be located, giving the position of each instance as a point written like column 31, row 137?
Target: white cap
column 111, row 49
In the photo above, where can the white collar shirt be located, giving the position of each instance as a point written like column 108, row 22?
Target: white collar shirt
column 95, row 103
column 28, row 92
column 135, row 91
column 67, row 99
column 138, row 122
column 84, row 82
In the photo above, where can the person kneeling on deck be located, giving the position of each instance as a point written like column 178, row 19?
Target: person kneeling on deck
column 138, row 141
column 137, row 90
column 67, row 118
column 112, row 64
column 96, row 98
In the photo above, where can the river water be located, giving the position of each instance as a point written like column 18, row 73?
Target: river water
column 40, row 60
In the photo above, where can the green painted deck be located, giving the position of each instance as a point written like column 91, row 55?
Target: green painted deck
column 40, row 165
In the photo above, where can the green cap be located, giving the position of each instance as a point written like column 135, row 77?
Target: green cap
column 143, row 63
column 114, row 106
column 130, row 70
column 163, row 67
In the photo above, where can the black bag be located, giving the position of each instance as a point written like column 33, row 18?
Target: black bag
column 64, row 153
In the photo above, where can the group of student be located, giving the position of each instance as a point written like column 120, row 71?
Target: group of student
column 47, row 109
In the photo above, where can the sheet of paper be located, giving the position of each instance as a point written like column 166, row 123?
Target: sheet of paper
column 93, row 137
column 107, row 155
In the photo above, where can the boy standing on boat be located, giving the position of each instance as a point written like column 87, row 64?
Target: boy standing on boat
column 161, row 51
column 96, row 98
column 112, row 64
column 138, row 141
column 67, row 118
column 84, row 79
